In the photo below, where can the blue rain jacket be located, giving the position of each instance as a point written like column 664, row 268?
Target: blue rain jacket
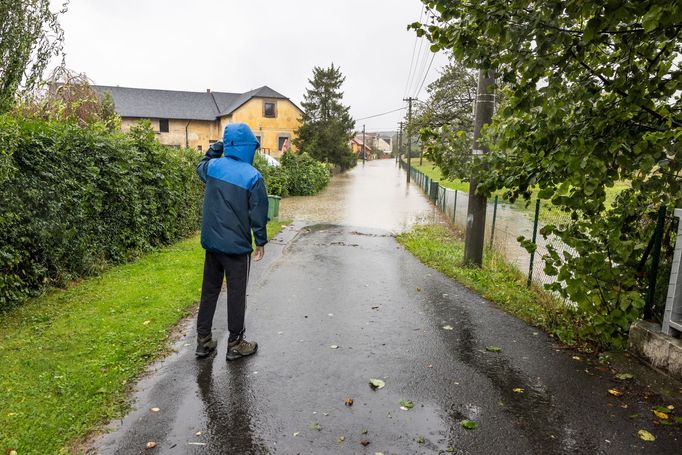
column 235, row 201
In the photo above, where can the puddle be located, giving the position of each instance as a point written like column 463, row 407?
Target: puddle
column 374, row 195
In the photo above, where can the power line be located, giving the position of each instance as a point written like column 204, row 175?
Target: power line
column 422, row 66
column 425, row 75
column 416, row 38
column 383, row 113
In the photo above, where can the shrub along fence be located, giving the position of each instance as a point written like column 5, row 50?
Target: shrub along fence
column 78, row 198
column 506, row 224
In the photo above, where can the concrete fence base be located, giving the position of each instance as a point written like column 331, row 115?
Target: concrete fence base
column 656, row 348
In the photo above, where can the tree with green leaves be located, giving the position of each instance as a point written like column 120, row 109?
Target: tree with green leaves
column 30, row 35
column 326, row 126
column 444, row 122
column 592, row 98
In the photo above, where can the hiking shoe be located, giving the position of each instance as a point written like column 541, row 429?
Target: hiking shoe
column 240, row 348
column 205, row 346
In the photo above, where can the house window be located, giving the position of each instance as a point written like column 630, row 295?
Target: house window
column 163, row 125
column 269, row 109
column 282, row 141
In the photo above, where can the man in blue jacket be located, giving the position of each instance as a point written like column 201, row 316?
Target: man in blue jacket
column 235, row 203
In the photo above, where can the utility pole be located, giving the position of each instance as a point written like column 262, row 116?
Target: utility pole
column 409, row 136
column 475, row 228
column 400, row 141
column 364, row 146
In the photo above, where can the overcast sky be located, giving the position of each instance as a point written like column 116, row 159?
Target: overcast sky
column 235, row 46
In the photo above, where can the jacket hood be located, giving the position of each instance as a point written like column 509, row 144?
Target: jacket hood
column 239, row 142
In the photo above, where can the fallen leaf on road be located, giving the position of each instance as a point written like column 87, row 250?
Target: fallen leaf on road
column 150, row 445
column 406, row 405
column 378, row 453
column 660, row 415
column 429, row 366
column 493, row 349
column 196, row 443
column 447, row 327
column 364, row 442
column 365, row 431
column 469, row 424
column 517, row 390
column 315, row 426
column 419, row 289
column 198, row 433
column 663, row 409
column 421, row 440
column 334, row 346
column 615, row 392
column 375, row 307
column 646, row 436
column 155, row 409
column 296, row 433
column 575, row 357
column 670, row 407
column 340, row 439
column 624, row 376
column 376, row 384
column 349, row 402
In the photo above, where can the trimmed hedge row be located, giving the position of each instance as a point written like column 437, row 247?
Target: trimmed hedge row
column 298, row 175
column 78, row 198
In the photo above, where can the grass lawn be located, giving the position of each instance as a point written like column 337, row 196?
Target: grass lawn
column 68, row 357
column 528, row 207
column 443, row 249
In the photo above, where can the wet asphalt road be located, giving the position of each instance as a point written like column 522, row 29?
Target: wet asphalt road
column 356, row 288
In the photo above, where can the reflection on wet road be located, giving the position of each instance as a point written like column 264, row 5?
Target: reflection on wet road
column 372, row 195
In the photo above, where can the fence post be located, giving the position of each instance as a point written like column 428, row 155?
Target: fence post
column 492, row 229
column 454, row 210
column 535, row 235
column 655, row 259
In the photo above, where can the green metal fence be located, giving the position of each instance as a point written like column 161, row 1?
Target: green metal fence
column 504, row 224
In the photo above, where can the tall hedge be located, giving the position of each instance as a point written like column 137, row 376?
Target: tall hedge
column 78, row 198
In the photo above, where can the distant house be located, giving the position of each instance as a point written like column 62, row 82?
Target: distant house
column 358, row 148
column 197, row 119
column 375, row 145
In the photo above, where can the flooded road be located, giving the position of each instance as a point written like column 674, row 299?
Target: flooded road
column 373, row 195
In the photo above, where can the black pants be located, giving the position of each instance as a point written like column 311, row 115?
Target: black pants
column 235, row 268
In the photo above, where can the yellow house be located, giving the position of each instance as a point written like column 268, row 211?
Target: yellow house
column 197, row 119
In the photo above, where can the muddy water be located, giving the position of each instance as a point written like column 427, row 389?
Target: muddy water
column 373, row 195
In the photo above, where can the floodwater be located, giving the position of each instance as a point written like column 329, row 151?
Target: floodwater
column 373, row 195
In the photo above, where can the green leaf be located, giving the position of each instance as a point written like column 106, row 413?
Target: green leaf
column 493, row 349
column 652, row 18
column 469, row 424
column 624, row 376
column 376, row 384
column 407, row 404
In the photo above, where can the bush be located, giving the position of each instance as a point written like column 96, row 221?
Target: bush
column 77, row 198
column 299, row 175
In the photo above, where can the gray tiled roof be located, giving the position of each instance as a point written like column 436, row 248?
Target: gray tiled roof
column 152, row 103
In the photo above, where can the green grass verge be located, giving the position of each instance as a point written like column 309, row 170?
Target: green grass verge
column 548, row 211
column 498, row 281
column 68, row 357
